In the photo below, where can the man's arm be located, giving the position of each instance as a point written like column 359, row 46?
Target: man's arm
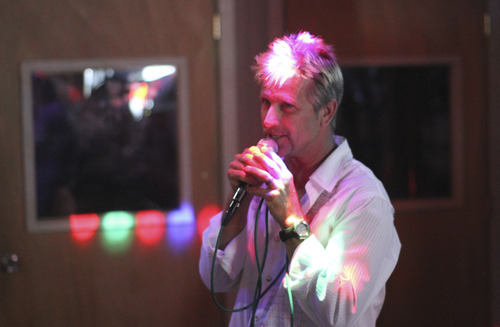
column 340, row 271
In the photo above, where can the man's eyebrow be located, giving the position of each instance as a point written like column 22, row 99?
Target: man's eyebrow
column 288, row 100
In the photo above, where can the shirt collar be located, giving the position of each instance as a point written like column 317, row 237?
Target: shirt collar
column 326, row 176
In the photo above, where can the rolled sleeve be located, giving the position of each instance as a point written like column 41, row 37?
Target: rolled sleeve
column 229, row 262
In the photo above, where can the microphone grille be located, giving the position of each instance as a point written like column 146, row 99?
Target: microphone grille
column 269, row 143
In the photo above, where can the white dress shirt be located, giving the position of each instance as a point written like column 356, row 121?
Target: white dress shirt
column 337, row 276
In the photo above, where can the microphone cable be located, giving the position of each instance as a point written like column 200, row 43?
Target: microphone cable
column 258, row 294
column 289, row 290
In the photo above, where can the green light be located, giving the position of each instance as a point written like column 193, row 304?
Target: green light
column 117, row 220
column 117, row 233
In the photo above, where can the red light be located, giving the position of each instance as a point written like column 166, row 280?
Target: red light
column 150, row 226
column 204, row 216
column 83, row 226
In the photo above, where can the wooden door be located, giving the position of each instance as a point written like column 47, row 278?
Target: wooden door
column 442, row 278
column 62, row 281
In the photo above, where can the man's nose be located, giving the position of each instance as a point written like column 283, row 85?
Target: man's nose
column 271, row 118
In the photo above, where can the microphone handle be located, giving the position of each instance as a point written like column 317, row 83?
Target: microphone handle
column 238, row 196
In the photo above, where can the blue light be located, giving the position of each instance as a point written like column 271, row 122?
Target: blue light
column 181, row 228
column 182, row 216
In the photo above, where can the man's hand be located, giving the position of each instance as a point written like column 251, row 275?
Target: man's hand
column 268, row 177
column 237, row 175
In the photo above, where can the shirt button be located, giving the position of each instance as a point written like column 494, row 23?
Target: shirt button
column 269, row 278
column 277, row 238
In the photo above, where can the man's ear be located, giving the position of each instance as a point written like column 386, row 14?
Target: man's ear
column 328, row 112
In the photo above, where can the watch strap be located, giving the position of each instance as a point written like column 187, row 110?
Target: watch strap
column 287, row 233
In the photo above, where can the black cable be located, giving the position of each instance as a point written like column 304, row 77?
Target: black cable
column 260, row 269
column 260, row 294
column 289, row 291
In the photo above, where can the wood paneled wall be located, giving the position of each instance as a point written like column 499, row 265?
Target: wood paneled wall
column 61, row 282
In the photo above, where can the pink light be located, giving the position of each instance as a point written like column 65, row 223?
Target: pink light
column 281, row 66
column 357, row 250
column 150, row 226
column 83, row 226
column 353, row 275
column 284, row 60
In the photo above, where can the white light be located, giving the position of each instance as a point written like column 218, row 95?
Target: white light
column 136, row 107
column 88, row 82
column 152, row 73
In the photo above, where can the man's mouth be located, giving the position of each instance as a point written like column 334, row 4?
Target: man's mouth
column 274, row 137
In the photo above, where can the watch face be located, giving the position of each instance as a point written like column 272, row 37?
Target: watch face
column 302, row 229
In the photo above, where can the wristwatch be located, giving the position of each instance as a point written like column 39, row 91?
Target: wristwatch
column 299, row 230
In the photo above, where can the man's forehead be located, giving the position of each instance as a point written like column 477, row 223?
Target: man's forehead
column 293, row 86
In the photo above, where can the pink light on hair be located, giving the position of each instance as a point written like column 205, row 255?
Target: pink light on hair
column 281, row 64
column 287, row 57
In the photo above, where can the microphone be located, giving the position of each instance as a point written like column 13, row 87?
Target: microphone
column 240, row 193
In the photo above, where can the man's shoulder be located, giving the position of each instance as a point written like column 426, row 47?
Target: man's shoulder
column 360, row 181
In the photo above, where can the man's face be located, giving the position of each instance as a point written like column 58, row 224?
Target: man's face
column 289, row 118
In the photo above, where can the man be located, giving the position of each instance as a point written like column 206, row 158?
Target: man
column 314, row 243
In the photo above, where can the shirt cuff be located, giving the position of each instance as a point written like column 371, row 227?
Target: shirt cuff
column 308, row 257
column 230, row 259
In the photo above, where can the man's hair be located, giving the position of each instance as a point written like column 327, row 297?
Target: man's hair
column 308, row 57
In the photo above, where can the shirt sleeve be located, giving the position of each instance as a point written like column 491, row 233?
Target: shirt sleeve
column 336, row 283
column 229, row 262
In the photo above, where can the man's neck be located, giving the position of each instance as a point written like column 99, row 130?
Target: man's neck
column 303, row 168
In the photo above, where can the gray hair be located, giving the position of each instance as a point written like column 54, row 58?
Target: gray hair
column 306, row 56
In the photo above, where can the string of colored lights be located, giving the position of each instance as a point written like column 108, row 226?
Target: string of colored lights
column 117, row 229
